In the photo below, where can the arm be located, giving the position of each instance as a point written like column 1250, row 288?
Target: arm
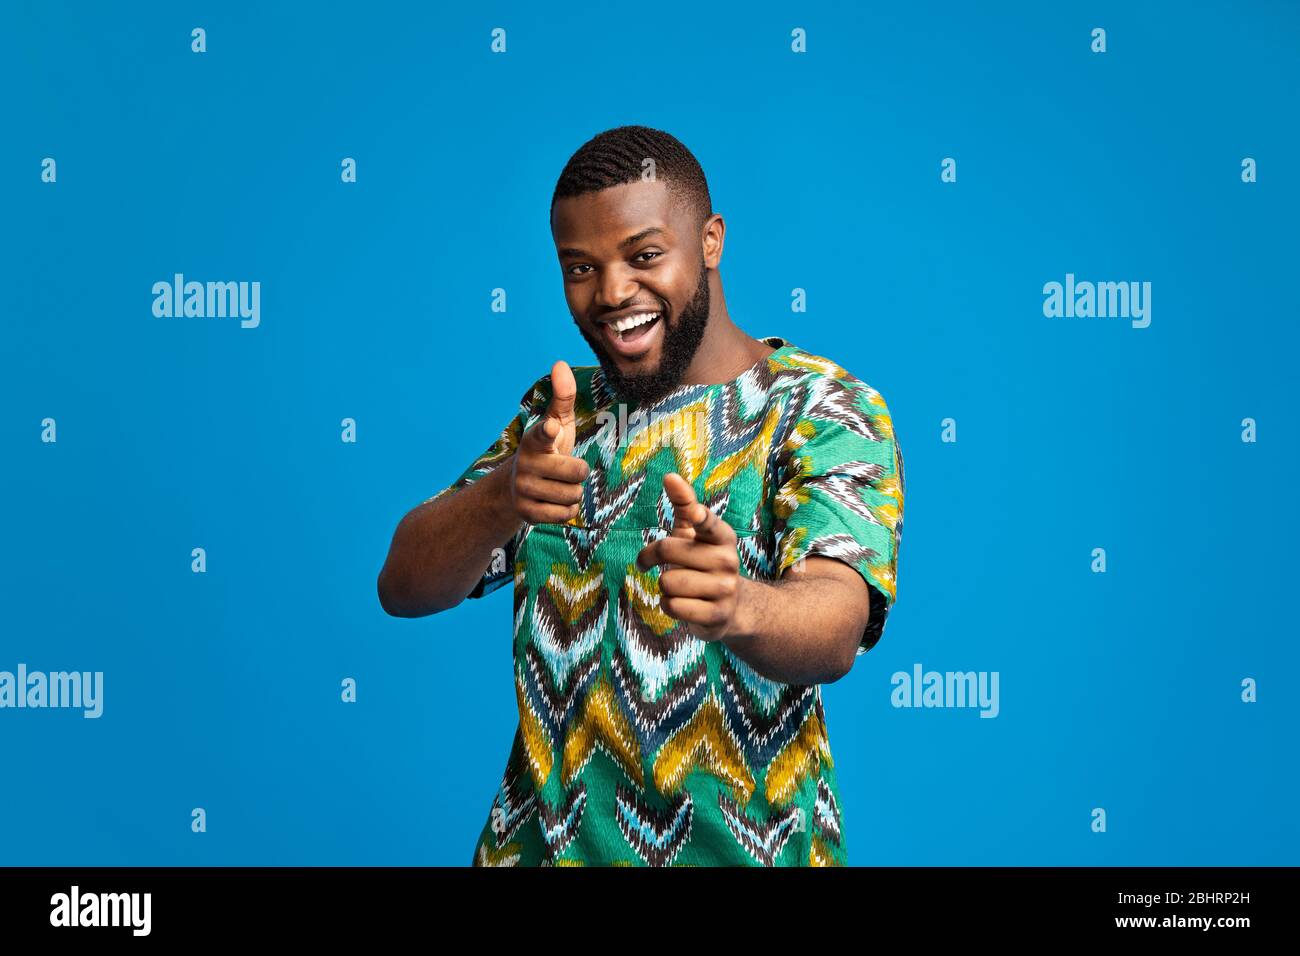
column 805, row 628
column 443, row 547
column 839, row 519
column 424, row 573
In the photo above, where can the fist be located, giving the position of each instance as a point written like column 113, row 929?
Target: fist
column 545, row 479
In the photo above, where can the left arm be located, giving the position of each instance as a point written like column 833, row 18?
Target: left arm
column 803, row 629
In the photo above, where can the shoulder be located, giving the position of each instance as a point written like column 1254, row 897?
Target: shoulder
column 538, row 394
column 820, row 392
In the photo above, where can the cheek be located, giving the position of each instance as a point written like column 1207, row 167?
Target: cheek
column 672, row 290
column 577, row 301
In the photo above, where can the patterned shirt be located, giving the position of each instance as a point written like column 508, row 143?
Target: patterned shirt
column 639, row 744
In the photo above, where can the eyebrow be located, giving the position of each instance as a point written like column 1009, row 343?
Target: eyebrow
column 629, row 241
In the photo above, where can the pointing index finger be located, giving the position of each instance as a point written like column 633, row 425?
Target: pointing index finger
column 690, row 514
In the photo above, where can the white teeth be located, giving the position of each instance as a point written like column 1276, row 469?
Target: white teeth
column 632, row 321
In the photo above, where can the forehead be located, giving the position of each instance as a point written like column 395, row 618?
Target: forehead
column 608, row 216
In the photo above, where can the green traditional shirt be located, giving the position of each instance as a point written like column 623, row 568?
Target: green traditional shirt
column 639, row 744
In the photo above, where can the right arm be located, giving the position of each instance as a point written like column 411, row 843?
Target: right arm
column 442, row 548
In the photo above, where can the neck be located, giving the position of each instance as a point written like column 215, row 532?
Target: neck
column 725, row 351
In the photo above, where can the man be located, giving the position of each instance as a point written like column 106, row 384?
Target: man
column 700, row 531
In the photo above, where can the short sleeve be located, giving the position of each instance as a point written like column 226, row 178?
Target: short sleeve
column 501, row 568
column 841, row 494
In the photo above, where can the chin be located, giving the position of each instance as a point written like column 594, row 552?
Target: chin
column 646, row 365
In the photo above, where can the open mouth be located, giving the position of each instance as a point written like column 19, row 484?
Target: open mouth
column 634, row 335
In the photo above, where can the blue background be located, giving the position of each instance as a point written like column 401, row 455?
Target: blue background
column 1118, row 690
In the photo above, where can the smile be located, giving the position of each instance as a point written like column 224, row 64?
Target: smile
column 634, row 335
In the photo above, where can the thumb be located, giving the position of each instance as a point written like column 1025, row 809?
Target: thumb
column 564, row 395
column 564, row 392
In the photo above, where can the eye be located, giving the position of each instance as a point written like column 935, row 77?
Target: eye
column 580, row 265
column 646, row 253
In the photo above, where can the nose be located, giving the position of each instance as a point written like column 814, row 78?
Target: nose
column 616, row 288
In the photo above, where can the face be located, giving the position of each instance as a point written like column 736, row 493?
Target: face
column 630, row 252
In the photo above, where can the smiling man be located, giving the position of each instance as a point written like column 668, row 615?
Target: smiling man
column 682, row 585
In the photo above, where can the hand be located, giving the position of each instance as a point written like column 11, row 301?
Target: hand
column 545, row 479
column 702, row 586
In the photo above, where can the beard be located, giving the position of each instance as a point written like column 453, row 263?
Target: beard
column 681, row 339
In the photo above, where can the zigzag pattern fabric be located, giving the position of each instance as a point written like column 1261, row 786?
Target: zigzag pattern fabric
column 639, row 744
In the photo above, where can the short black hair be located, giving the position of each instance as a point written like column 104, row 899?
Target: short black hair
column 616, row 156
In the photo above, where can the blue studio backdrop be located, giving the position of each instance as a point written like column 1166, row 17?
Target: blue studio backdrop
column 1100, row 508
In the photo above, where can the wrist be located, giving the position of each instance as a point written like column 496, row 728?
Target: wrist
column 501, row 499
column 744, row 622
